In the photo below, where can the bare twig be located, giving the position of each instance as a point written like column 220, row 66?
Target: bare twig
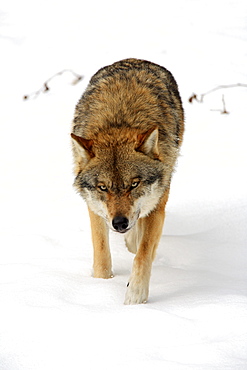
column 46, row 88
column 224, row 106
column 200, row 98
column 222, row 111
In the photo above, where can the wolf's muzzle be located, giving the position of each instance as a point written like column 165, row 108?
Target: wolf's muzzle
column 120, row 224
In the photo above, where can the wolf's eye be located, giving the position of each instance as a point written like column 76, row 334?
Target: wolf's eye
column 102, row 187
column 134, row 184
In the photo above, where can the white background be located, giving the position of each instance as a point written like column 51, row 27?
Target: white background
column 53, row 314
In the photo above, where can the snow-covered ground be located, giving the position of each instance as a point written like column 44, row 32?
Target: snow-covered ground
column 53, row 314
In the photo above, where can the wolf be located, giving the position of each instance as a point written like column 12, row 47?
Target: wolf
column 126, row 134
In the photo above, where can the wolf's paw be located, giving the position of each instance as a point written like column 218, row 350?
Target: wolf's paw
column 103, row 274
column 136, row 293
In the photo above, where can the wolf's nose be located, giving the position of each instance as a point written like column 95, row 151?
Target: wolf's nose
column 120, row 223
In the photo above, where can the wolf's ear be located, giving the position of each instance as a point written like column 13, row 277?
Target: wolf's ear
column 148, row 143
column 83, row 146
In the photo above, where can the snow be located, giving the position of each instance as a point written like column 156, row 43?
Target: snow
column 53, row 314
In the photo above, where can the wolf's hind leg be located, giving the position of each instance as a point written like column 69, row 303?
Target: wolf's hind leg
column 132, row 238
column 102, row 265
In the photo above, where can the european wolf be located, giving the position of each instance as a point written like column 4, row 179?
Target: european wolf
column 127, row 130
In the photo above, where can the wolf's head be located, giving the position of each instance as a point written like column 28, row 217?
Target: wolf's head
column 120, row 174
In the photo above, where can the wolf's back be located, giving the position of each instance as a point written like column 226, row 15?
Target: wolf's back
column 134, row 94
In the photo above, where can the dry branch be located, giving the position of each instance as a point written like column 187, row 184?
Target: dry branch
column 222, row 111
column 45, row 87
column 200, row 98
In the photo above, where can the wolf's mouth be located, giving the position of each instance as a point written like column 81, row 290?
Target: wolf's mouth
column 122, row 231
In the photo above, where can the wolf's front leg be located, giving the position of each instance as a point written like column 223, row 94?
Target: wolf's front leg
column 102, row 257
column 138, row 286
column 150, row 229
